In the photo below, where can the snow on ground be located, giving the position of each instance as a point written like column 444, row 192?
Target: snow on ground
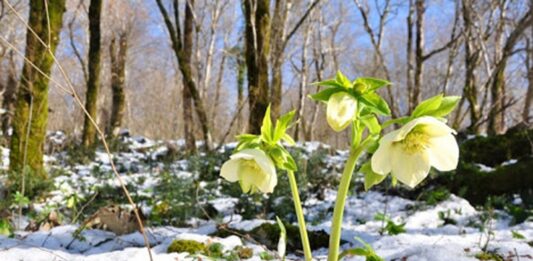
column 427, row 236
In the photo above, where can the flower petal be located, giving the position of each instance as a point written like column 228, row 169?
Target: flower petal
column 230, row 170
column 444, row 152
column 409, row 169
column 431, row 126
column 340, row 110
column 381, row 163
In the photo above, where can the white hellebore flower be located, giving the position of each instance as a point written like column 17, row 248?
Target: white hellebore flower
column 410, row 151
column 253, row 169
column 341, row 110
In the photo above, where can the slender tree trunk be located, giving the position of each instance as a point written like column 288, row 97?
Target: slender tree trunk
column 277, row 39
column 301, row 90
column 93, row 84
column 118, row 83
column 472, row 59
column 419, row 54
column 409, row 53
column 529, row 66
column 218, row 87
column 31, row 105
column 9, row 97
column 241, row 72
column 257, row 37
column 188, row 117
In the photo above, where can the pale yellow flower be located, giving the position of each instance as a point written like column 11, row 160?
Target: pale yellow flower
column 253, row 169
column 409, row 152
column 341, row 109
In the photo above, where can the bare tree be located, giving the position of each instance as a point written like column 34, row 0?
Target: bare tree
column 93, row 83
column 529, row 65
column 183, row 49
column 497, row 112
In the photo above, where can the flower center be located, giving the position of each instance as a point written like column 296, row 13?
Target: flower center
column 416, row 141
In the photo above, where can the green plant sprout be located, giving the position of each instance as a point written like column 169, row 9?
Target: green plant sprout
column 422, row 141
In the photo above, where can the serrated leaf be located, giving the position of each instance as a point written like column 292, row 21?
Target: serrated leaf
column 328, row 83
column 447, row 105
column 372, row 83
column 326, row 93
column 287, row 138
column 371, row 178
column 266, row 128
column 427, row 106
column 372, row 123
column 401, row 121
column 375, row 103
column 343, row 80
column 282, row 124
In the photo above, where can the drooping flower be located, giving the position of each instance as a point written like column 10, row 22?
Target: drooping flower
column 254, row 170
column 341, row 109
column 409, row 152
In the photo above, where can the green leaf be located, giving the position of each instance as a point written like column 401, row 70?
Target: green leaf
column 366, row 251
column 449, row 103
column 287, row 138
column 372, row 123
column 266, row 128
column 326, row 93
column 401, row 121
column 343, row 80
column 517, row 235
column 371, row 178
column 5, row 228
column 372, row 83
column 427, row 106
column 282, row 244
column 375, row 103
column 328, row 83
column 282, row 124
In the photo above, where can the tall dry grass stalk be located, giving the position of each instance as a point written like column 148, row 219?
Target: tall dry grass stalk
column 71, row 91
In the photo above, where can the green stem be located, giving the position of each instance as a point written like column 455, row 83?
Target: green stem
column 338, row 212
column 300, row 216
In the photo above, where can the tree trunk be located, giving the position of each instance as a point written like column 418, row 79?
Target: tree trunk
column 183, row 55
column 241, row 71
column 277, row 29
column 529, row 66
column 497, row 112
column 31, row 105
column 9, row 97
column 301, row 90
column 118, row 79
column 188, row 117
column 91, row 97
column 257, row 37
column 419, row 54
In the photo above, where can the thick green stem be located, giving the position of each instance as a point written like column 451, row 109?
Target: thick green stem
column 300, row 216
column 338, row 212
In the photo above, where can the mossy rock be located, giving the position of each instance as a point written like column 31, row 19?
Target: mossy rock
column 189, row 246
column 494, row 150
column 268, row 235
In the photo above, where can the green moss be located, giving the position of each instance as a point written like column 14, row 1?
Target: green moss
column 31, row 106
column 189, row 246
column 489, row 256
column 244, row 252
